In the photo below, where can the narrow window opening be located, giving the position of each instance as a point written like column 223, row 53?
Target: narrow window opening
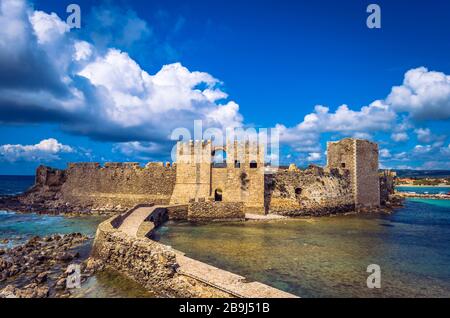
column 218, row 195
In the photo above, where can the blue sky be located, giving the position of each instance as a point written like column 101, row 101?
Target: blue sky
column 82, row 95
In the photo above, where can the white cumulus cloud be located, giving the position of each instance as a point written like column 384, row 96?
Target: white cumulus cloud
column 400, row 136
column 314, row 156
column 424, row 94
column 46, row 150
column 385, row 153
column 52, row 76
column 48, row 27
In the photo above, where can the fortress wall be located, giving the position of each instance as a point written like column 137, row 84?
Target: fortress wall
column 350, row 181
column 151, row 264
column 240, row 185
column 341, row 156
column 198, row 180
column 367, row 180
column 387, row 186
column 219, row 180
column 246, row 182
column 193, row 175
column 310, row 192
column 210, row 210
column 252, row 181
column 91, row 188
column 125, row 184
column 177, row 212
column 49, row 177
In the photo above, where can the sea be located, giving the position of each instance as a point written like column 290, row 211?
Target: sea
column 317, row 257
column 17, row 228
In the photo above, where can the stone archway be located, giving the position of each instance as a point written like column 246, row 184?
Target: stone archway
column 219, row 157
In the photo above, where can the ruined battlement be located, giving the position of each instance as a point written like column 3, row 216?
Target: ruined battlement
column 201, row 151
column 84, row 165
column 314, row 191
column 117, row 165
column 90, row 187
column 349, row 181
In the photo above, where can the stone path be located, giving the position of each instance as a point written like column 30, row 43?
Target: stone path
column 213, row 276
column 132, row 223
column 226, row 281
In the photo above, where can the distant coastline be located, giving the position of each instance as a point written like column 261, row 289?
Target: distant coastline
column 423, row 186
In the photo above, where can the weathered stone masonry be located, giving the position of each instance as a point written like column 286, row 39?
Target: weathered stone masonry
column 349, row 181
column 148, row 262
column 240, row 179
column 164, row 270
column 360, row 158
column 312, row 192
column 90, row 187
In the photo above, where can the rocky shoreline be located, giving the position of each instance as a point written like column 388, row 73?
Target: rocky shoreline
column 29, row 203
column 38, row 268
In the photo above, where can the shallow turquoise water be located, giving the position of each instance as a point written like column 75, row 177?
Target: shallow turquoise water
column 328, row 257
column 18, row 228
column 439, row 203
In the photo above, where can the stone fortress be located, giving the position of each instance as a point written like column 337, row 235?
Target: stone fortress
column 207, row 190
column 239, row 178
column 198, row 188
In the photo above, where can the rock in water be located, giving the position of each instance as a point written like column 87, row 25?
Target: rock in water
column 36, row 268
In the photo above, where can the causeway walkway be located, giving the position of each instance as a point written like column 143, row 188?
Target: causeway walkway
column 132, row 223
column 218, row 278
column 227, row 281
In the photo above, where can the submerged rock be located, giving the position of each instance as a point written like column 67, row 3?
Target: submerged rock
column 36, row 269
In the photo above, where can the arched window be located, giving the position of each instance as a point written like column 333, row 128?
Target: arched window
column 343, row 165
column 253, row 165
column 218, row 195
column 219, row 159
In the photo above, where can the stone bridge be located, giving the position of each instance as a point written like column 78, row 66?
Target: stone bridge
column 153, row 215
column 136, row 225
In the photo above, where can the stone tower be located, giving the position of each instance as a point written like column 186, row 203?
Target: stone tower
column 239, row 179
column 193, row 179
column 360, row 158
